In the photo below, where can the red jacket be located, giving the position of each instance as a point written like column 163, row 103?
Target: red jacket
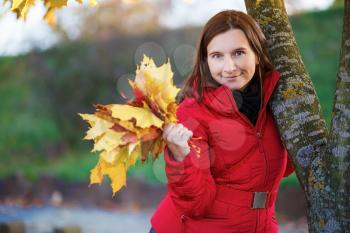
column 212, row 190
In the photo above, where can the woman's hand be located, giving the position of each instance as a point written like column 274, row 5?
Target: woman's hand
column 176, row 137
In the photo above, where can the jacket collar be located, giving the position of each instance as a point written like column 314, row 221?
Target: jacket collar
column 220, row 99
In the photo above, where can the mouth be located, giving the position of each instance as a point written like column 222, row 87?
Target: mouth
column 231, row 77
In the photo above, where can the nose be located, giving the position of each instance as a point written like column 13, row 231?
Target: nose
column 229, row 65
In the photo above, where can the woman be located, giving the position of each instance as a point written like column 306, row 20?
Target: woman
column 224, row 158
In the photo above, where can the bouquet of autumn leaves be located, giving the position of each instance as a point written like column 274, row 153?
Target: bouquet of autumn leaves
column 124, row 133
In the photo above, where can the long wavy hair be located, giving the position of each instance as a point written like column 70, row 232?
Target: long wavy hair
column 200, row 76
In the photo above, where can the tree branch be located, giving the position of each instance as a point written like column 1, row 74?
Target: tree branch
column 339, row 143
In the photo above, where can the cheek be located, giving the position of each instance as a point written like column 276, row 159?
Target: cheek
column 250, row 66
column 213, row 67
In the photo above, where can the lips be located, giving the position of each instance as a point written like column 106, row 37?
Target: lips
column 231, row 77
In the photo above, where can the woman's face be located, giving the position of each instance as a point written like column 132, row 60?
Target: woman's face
column 231, row 60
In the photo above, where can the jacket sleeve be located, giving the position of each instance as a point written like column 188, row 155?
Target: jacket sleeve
column 190, row 184
column 289, row 168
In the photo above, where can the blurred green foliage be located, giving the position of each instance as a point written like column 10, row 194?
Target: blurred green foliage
column 42, row 92
column 337, row 4
column 318, row 35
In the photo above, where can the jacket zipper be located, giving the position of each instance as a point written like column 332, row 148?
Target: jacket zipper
column 259, row 132
column 258, row 127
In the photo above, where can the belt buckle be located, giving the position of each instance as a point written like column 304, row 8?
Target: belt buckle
column 259, row 200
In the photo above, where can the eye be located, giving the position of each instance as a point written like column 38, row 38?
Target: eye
column 216, row 56
column 238, row 53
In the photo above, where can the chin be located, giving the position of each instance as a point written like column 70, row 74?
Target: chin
column 233, row 88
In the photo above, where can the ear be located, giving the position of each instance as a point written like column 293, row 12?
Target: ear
column 256, row 60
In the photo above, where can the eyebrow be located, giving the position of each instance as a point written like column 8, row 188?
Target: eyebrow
column 237, row 49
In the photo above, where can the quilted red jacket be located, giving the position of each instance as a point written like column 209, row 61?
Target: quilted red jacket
column 213, row 189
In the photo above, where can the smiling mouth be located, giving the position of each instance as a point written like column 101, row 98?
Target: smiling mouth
column 231, row 77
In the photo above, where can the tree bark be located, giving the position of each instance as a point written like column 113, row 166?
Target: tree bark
column 339, row 140
column 321, row 166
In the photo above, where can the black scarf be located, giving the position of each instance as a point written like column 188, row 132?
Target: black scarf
column 248, row 100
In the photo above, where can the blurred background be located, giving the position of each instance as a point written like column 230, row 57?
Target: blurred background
column 50, row 74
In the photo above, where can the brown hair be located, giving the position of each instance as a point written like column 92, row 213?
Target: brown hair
column 220, row 23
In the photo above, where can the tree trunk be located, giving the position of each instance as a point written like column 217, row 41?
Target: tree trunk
column 339, row 140
column 319, row 158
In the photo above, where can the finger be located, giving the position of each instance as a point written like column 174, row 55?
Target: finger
column 185, row 133
column 183, row 129
column 167, row 129
column 185, row 137
column 180, row 126
column 174, row 129
column 168, row 126
column 173, row 135
column 188, row 134
column 177, row 134
column 181, row 139
column 178, row 137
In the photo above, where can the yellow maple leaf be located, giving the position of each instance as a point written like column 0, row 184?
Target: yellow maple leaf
column 55, row 3
column 123, row 123
column 90, row 118
column 96, row 175
column 131, row 1
column 134, row 154
column 160, row 78
column 52, row 6
column 128, row 125
column 98, row 126
column 144, row 117
column 50, row 16
column 158, row 147
column 115, row 172
column 110, row 156
column 122, row 155
column 16, row 4
column 117, row 175
column 93, row 2
column 109, row 141
column 156, row 83
column 21, row 8
column 171, row 113
column 28, row 5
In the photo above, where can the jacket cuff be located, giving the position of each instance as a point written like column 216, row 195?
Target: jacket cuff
column 175, row 170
